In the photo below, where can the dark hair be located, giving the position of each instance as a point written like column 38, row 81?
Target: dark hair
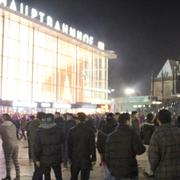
column 41, row 115
column 6, row 117
column 150, row 117
column 110, row 116
column 81, row 116
column 123, row 118
column 133, row 113
column 57, row 113
column 164, row 116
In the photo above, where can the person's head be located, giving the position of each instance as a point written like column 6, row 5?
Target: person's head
column 124, row 118
column 57, row 115
column 41, row 115
column 164, row 116
column 48, row 121
column 110, row 117
column 49, row 118
column 116, row 116
column 149, row 117
column 69, row 116
column 81, row 116
column 6, row 117
column 133, row 114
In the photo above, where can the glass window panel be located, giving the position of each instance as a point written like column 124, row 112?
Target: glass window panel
column 0, row 45
column 39, row 55
column 13, row 30
column 1, row 25
column 24, row 33
column 11, row 48
column 24, row 91
column 39, row 38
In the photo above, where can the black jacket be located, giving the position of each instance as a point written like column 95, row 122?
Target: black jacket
column 47, row 147
column 81, row 144
column 122, row 146
column 107, row 128
column 146, row 132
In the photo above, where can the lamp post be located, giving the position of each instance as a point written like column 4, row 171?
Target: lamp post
column 110, row 91
column 129, row 91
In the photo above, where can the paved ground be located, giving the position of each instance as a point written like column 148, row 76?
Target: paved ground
column 27, row 168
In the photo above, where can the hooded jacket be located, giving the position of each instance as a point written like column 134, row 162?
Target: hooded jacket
column 8, row 135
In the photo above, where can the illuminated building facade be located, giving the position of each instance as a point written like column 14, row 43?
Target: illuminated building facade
column 40, row 64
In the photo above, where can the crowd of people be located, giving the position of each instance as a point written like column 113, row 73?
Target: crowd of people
column 71, row 140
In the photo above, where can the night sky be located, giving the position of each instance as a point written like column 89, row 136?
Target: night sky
column 143, row 33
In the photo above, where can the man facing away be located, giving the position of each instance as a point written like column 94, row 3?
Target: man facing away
column 122, row 146
column 10, row 146
column 147, row 130
column 164, row 149
column 81, row 149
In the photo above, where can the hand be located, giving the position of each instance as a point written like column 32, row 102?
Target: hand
column 93, row 163
column 37, row 163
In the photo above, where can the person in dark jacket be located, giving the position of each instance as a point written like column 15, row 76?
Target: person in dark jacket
column 69, row 123
column 81, row 149
column 164, row 149
column 47, row 147
column 122, row 146
column 107, row 128
column 32, row 132
column 135, row 122
column 59, row 120
column 147, row 130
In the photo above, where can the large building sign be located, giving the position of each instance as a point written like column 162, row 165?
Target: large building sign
column 49, row 21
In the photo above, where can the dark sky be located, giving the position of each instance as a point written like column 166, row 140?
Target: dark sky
column 143, row 33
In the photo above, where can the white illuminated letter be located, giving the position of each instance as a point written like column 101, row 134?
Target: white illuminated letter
column 4, row 2
column 13, row 6
column 26, row 10
column 86, row 38
column 91, row 40
column 101, row 45
column 34, row 13
column 57, row 26
column 65, row 28
column 41, row 15
column 49, row 21
column 72, row 32
column 21, row 8
column 79, row 35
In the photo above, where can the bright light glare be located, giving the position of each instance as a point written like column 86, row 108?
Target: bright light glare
column 129, row 91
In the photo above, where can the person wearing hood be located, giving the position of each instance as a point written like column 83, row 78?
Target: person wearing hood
column 48, row 147
column 10, row 146
column 146, row 132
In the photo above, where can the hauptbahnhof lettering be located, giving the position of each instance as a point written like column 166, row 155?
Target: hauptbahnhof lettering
column 43, row 61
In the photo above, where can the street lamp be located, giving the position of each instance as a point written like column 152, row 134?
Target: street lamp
column 129, row 91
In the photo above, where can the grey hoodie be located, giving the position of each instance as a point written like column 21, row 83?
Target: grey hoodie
column 8, row 135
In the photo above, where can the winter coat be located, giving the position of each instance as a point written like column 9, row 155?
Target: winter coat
column 122, row 146
column 136, row 126
column 81, row 145
column 164, row 153
column 107, row 128
column 146, row 132
column 68, row 125
column 8, row 135
column 47, row 146
column 31, row 131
